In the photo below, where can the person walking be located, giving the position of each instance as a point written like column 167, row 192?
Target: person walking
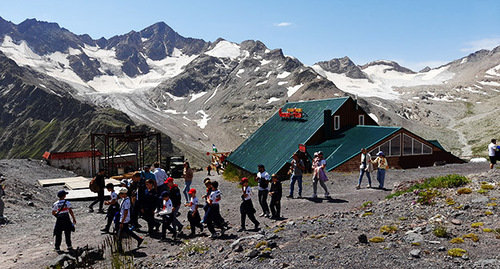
column 296, row 169
column 193, row 215
column 149, row 205
column 123, row 224
column 382, row 165
column 160, row 177
column 99, row 179
column 246, row 207
column 275, row 192
column 319, row 175
column 263, row 179
column 62, row 210
column 187, row 174
column 492, row 150
column 175, row 196
column 365, row 167
column 2, row 193
column 113, row 207
column 167, row 216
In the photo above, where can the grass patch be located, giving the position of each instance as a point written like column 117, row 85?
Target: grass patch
column 450, row 201
column 487, row 230
column 260, row 244
column 366, row 214
column 233, row 174
column 492, row 204
column 191, row 246
column 488, row 213
column 487, row 186
column 367, row 204
column 448, row 181
column 482, row 191
column 278, row 230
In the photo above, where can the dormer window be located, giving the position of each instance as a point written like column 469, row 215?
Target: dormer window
column 361, row 120
column 336, row 122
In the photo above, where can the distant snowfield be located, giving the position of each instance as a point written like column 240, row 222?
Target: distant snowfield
column 226, row 49
column 383, row 81
column 57, row 65
column 202, row 123
column 292, row 90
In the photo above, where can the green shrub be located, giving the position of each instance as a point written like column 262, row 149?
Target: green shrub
column 366, row 214
column 476, row 224
column 376, row 239
column 464, row 191
column 457, row 240
column 448, row 181
column 472, row 236
column 440, row 231
column 487, row 187
column 426, row 197
column 388, row 229
column 367, row 204
column 450, row 201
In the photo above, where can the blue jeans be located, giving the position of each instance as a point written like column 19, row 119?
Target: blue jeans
column 380, row 177
column 361, row 173
column 187, row 185
column 292, row 184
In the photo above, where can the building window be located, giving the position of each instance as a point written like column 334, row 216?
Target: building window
column 414, row 147
column 336, row 122
column 361, row 119
column 390, row 148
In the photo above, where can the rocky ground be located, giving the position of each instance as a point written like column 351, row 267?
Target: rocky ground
column 325, row 233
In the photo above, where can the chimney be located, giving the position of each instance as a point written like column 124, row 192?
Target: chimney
column 327, row 123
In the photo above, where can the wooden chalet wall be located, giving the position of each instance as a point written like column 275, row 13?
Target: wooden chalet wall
column 404, row 161
column 349, row 116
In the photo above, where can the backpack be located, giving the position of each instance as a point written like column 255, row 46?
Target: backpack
column 93, row 186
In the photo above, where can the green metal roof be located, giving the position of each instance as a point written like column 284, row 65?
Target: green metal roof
column 276, row 140
column 347, row 144
column 436, row 143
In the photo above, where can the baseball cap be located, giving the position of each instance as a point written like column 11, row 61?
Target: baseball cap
column 165, row 194
column 169, row 179
column 123, row 190
column 380, row 153
column 192, row 191
column 61, row 193
column 243, row 180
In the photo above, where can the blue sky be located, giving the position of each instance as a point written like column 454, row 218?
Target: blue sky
column 413, row 33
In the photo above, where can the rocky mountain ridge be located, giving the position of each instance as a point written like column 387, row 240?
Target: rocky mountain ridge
column 202, row 93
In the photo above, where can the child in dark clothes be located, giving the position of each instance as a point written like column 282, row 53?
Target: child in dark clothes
column 275, row 193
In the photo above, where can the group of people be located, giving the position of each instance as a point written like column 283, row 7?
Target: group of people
column 366, row 167
column 297, row 169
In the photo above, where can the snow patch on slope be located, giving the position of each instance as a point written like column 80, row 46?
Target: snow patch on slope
column 293, row 89
column 225, row 49
column 382, row 81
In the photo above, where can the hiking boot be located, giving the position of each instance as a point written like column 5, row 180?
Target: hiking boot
column 213, row 236
column 91, row 209
column 105, row 230
column 242, row 229
column 369, row 186
column 262, row 214
column 290, row 196
column 357, row 187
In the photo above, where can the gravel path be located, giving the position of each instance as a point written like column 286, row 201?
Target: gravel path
column 27, row 240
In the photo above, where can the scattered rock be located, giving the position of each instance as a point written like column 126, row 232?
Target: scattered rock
column 456, row 221
column 252, row 254
column 415, row 253
column 412, row 238
column 465, row 257
column 363, row 239
column 481, row 199
column 237, row 248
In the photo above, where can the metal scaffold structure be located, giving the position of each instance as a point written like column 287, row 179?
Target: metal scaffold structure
column 110, row 142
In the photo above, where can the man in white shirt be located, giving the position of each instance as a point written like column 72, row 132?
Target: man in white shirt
column 492, row 149
column 160, row 176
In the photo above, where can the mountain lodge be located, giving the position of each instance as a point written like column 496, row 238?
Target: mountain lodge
column 339, row 128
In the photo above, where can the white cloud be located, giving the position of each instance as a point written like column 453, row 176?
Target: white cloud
column 283, row 24
column 485, row 43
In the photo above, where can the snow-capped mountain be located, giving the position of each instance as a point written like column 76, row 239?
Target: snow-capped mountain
column 203, row 93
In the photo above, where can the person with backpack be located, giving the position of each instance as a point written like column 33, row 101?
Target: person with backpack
column 382, row 165
column 263, row 179
column 62, row 210
column 296, row 169
column 175, row 196
column 99, row 181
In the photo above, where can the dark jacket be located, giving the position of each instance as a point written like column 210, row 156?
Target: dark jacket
column 175, row 196
column 276, row 189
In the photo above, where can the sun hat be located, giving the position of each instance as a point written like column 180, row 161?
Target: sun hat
column 123, row 190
